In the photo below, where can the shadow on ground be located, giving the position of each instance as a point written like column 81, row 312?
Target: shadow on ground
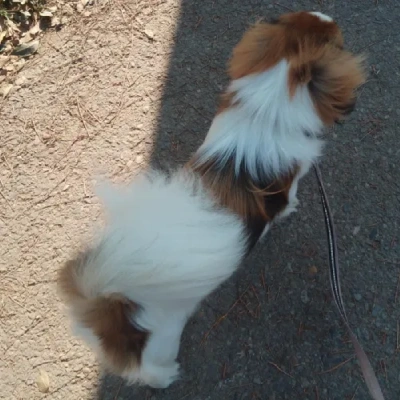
column 283, row 339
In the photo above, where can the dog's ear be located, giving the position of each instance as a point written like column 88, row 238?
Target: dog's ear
column 260, row 48
column 332, row 83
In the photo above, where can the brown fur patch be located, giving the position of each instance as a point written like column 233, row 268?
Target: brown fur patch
column 335, row 76
column 107, row 317
column 121, row 341
column 226, row 101
column 314, row 51
column 293, row 35
column 257, row 203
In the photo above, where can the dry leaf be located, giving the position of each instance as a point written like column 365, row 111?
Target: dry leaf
column 3, row 60
column 20, row 81
column 19, row 64
column 5, row 89
column 26, row 38
column 55, row 21
column 81, row 5
column 26, row 49
column 3, row 35
column 67, row 10
column 43, row 381
column 11, row 27
column 46, row 13
column 35, row 29
column 64, row 20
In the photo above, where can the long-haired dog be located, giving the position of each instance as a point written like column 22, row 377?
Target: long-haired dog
column 172, row 239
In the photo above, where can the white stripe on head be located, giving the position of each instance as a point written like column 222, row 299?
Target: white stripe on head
column 321, row 16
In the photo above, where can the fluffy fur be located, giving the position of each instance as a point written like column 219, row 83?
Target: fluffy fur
column 172, row 239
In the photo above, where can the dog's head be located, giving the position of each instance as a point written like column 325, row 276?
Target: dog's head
column 312, row 45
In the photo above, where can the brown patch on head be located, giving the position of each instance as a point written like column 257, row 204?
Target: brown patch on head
column 289, row 37
column 108, row 317
column 314, row 51
column 257, row 203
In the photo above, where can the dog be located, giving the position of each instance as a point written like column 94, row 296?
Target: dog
column 173, row 238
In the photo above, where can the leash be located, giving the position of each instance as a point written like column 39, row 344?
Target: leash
column 366, row 368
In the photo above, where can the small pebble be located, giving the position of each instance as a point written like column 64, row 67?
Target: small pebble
column 149, row 33
column 304, row 296
column 312, row 270
column 43, row 381
column 373, row 234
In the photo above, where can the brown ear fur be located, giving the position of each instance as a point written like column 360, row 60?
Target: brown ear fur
column 334, row 80
column 260, row 49
column 107, row 317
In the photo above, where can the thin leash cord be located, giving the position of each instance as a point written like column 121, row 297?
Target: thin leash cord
column 366, row 368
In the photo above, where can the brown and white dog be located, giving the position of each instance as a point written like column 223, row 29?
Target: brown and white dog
column 132, row 293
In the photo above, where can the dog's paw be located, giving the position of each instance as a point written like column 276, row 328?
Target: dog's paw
column 161, row 376
column 290, row 209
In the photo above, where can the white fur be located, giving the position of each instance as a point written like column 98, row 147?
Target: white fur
column 321, row 16
column 266, row 130
column 167, row 246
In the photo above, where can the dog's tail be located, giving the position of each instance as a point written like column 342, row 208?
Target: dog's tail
column 107, row 315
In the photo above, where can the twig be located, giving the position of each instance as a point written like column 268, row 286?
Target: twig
column 383, row 366
column 6, row 200
column 198, row 111
column 398, row 336
column 50, row 192
column 283, row 6
column 67, row 152
column 198, row 22
column 10, row 167
column 81, row 116
column 64, row 203
column 262, row 278
column 35, row 130
column 316, row 393
column 396, row 295
column 390, row 261
column 222, row 317
column 370, row 45
column 223, row 372
column 251, row 313
column 185, row 395
column 255, row 294
column 354, row 394
column 336, row 366
column 119, row 389
column 279, row 369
